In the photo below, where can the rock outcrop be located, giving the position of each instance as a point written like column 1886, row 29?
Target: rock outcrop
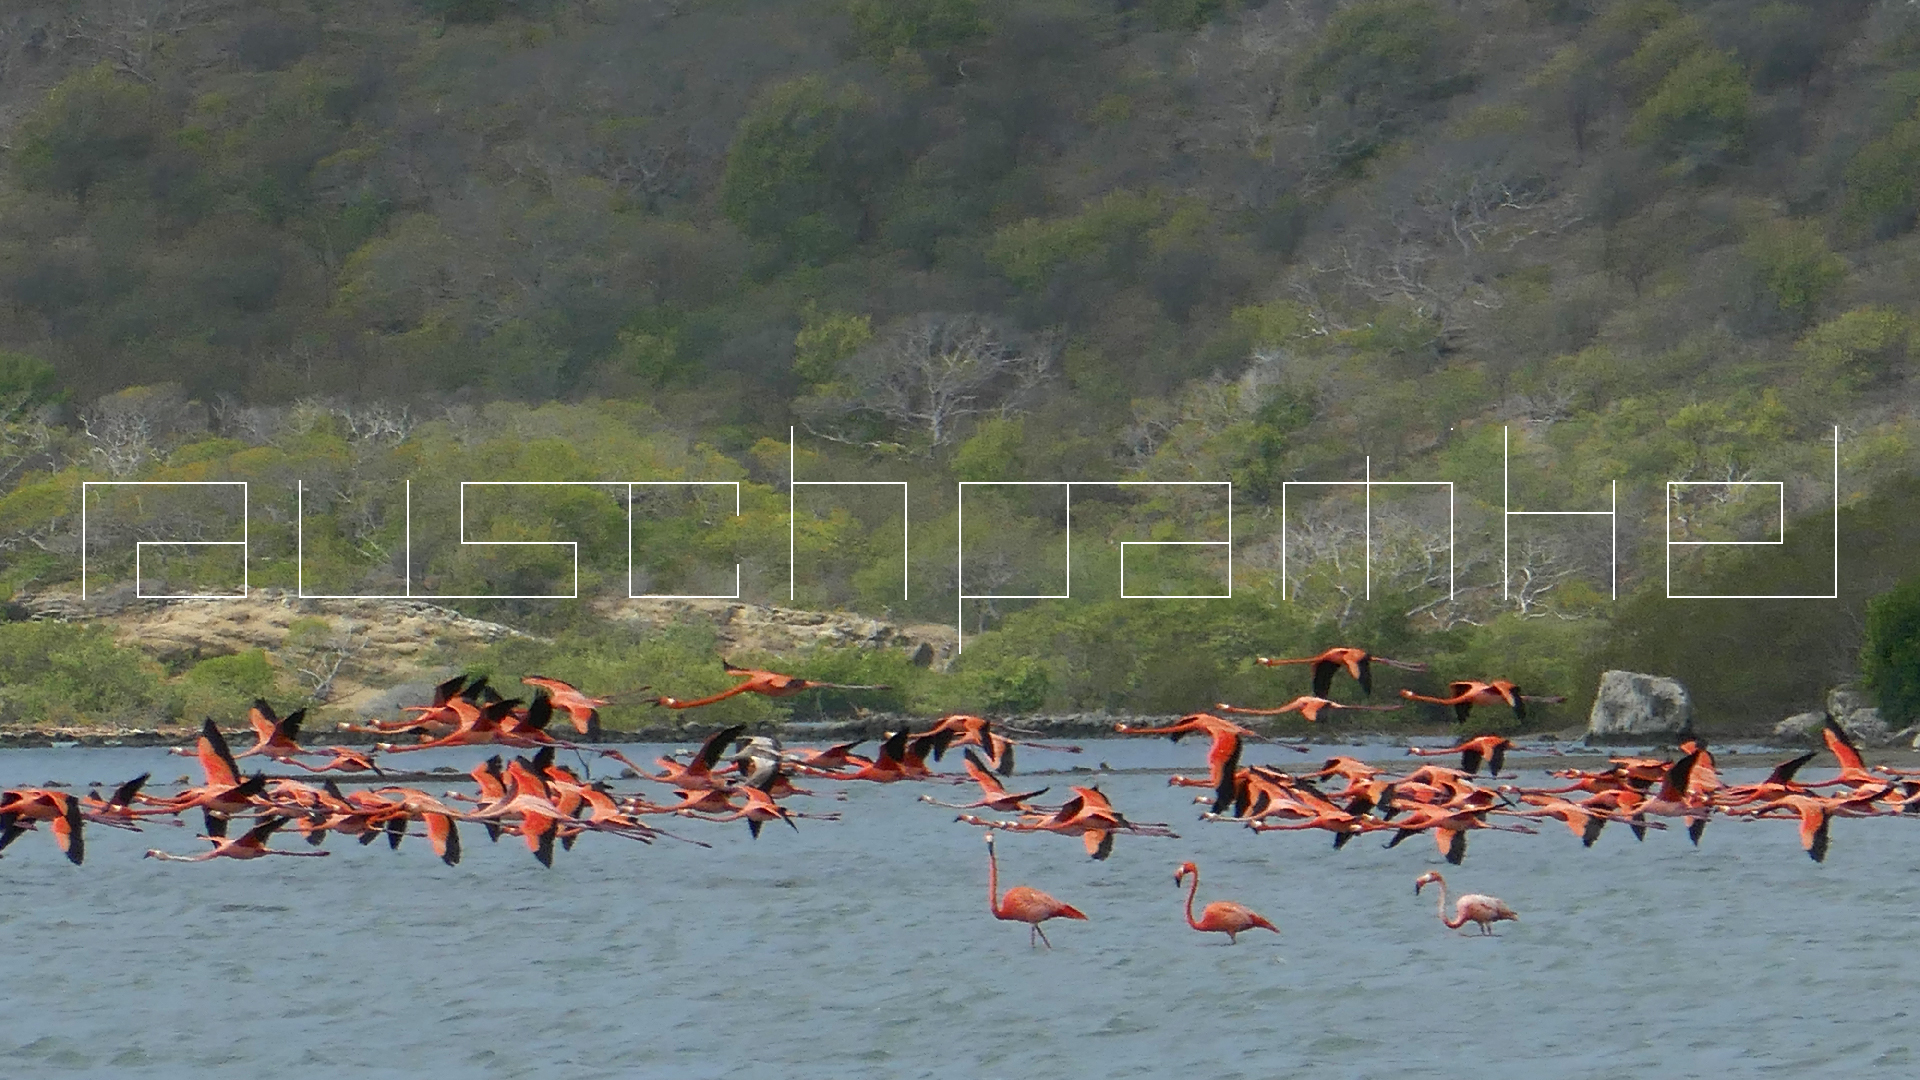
column 1631, row 707
column 382, row 641
column 1800, row 727
column 395, row 650
column 1856, row 714
column 766, row 628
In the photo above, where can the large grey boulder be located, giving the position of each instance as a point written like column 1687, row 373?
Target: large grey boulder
column 1631, row 707
column 1800, row 727
column 1856, row 714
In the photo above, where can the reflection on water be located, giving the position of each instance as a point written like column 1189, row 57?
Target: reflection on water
column 863, row 948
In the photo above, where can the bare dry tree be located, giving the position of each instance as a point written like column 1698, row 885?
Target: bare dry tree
column 127, row 429
column 927, row 375
column 1537, row 566
column 319, row 655
column 377, row 422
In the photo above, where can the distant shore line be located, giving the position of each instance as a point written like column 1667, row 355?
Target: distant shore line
column 873, row 726
column 870, row 726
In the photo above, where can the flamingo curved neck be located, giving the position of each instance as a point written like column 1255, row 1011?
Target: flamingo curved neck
column 1192, row 888
column 993, row 882
column 1440, row 908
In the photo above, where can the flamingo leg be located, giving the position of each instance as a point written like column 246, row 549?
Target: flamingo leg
column 1043, row 936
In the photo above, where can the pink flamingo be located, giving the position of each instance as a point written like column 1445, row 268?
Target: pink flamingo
column 1221, row 916
column 1473, row 907
column 1021, row 904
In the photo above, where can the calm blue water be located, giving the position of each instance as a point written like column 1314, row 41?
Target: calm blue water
column 863, row 948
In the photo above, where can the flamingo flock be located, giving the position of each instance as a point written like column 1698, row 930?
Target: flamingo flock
column 522, row 790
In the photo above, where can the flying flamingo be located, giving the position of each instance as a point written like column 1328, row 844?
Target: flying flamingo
column 829, row 760
column 994, row 794
column 584, row 711
column 1489, row 748
column 1465, row 694
column 274, row 736
column 1675, row 800
column 1022, row 904
column 1223, row 756
column 1816, row 816
column 1358, row 663
column 1473, row 907
column 760, row 809
column 116, row 809
column 253, row 845
column 345, row 759
column 1309, row 708
column 1853, row 770
column 20, row 809
column 770, row 683
column 1779, row 783
column 453, row 700
column 1221, row 916
column 224, row 793
column 968, row 730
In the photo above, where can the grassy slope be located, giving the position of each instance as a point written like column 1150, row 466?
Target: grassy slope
column 1662, row 241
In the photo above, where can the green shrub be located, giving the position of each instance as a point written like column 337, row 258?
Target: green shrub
column 1890, row 657
column 1698, row 115
column 794, row 174
column 26, row 379
column 54, row 673
column 1795, row 267
column 827, row 338
column 1019, row 685
column 93, row 127
column 1377, row 61
column 223, row 687
column 1102, row 235
column 883, row 27
column 1883, row 183
column 678, row 661
column 1381, row 51
column 1181, row 14
column 1857, row 349
column 856, row 666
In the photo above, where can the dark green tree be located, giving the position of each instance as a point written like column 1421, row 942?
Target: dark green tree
column 882, row 28
column 1376, row 61
column 804, row 167
column 1891, row 656
column 93, row 127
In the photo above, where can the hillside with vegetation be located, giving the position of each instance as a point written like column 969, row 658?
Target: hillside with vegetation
column 1654, row 257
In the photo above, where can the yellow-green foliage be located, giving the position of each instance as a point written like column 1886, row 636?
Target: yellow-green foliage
column 1883, row 181
column 825, row 339
column 1698, row 114
column 223, row 687
column 1029, row 251
column 55, row 673
column 1859, row 348
column 1795, row 266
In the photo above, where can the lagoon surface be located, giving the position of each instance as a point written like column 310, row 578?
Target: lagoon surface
column 863, row 948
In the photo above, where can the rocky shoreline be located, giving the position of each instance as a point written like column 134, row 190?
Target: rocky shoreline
column 869, row 726
column 1630, row 709
column 1070, row 726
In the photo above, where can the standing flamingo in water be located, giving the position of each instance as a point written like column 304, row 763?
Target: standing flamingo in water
column 1221, row 916
column 1021, row 904
column 1473, row 907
